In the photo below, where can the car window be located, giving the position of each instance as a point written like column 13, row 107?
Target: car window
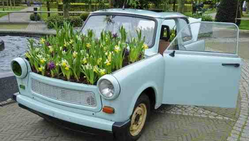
column 112, row 23
column 186, row 32
column 209, row 37
column 169, row 22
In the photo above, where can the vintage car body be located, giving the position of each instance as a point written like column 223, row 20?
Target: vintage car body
column 172, row 77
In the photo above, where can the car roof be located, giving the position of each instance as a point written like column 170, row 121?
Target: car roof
column 142, row 13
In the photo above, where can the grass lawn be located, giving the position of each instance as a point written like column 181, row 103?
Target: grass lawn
column 244, row 25
column 44, row 16
column 17, row 8
column 13, row 26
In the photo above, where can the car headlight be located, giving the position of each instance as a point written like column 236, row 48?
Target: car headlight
column 108, row 87
column 19, row 67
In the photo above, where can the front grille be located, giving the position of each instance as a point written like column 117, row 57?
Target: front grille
column 84, row 98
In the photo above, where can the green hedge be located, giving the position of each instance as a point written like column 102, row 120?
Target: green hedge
column 84, row 7
column 34, row 17
column 203, row 17
column 74, row 21
column 187, row 7
column 96, row 6
column 84, row 16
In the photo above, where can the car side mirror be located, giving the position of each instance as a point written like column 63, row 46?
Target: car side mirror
column 165, row 33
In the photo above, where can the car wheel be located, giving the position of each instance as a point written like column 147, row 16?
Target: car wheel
column 138, row 120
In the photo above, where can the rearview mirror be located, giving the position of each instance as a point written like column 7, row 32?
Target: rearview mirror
column 165, row 33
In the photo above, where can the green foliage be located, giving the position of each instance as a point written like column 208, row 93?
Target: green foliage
column 75, row 21
column 172, row 35
column 84, row 16
column 73, row 56
column 54, row 19
column 206, row 18
column 59, row 20
column 34, row 17
column 85, row 6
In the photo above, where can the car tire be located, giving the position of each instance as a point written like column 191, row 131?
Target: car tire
column 138, row 120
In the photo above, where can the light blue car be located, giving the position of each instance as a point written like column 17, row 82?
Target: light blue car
column 200, row 66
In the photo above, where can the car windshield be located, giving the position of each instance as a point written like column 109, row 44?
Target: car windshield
column 113, row 23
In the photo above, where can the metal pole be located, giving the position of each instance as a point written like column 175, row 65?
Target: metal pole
column 9, row 17
column 237, row 10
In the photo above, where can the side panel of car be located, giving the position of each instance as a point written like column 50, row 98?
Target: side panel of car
column 134, row 79
column 203, row 80
column 203, row 68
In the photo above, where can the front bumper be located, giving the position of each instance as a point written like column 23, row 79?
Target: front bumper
column 73, row 121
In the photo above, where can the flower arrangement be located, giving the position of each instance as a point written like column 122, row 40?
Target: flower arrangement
column 172, row 35
column 76, row 57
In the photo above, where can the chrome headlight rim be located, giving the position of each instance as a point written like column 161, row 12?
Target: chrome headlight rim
column 113, row 82
column 23, row 67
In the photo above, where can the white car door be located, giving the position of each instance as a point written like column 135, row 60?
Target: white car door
column 204, row 76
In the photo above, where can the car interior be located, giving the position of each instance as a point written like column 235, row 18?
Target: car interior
column 164, row 39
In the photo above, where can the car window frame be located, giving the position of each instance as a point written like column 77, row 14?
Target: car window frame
column 181, row 40
column 236, row 54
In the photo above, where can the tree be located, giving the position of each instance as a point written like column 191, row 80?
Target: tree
column 111, row 3
column 139, row 4
column 66, row 6
column 174, row 5
column 227, row 11
column 3, row 5
column 247, row 3
column 181, row 6
column 48, row 6
column 10, row 1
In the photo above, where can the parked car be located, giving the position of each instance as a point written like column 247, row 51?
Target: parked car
column 200, row 66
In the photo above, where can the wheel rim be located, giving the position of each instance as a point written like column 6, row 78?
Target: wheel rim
column 138, row 119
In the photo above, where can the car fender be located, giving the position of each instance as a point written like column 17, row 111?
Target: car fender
column 139, row 92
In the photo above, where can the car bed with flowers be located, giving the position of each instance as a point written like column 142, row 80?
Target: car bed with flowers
column 108, row 76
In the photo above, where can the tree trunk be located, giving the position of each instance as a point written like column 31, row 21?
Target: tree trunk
column 174, row 6
column 57, row 3
column 90, row 5
column 7, row 4
column 111, row 3
column 14, row 2
column 48, row 8
column 227, row 11
column 66, row 6
column 10, row 4
column 3, row 5
column 247, row 9
column 181, row 6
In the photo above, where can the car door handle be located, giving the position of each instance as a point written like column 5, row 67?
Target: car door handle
column 236, row 65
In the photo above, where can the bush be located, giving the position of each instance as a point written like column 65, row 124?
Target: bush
column 34, row 17
column 207, row 18
column 74, row 21
column 84, row 16
column 203, row 17
column 54, row 19
column 85, row 6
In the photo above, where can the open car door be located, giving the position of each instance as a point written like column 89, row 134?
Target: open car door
column 203, row 71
